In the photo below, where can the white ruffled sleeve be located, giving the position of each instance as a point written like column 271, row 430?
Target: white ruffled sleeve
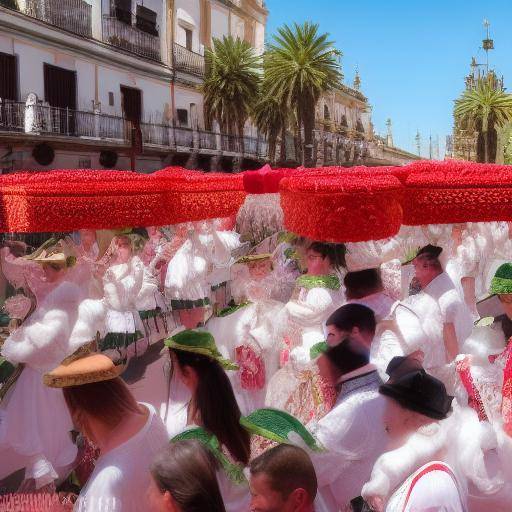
column 313, row 309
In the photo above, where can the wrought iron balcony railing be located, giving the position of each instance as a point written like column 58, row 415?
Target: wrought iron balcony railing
column 52, row 121
column 71, row 15
column 129, row 37
column 188, row 61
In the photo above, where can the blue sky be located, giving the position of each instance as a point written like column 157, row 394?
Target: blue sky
column 412, row 55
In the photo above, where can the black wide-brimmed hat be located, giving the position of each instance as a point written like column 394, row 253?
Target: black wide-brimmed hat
column 414, row 389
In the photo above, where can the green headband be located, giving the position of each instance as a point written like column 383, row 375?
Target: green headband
column 199, row 342
column 502, row 281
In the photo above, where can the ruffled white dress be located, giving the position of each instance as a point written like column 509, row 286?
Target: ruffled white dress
column 123, row 327
column 34, row 420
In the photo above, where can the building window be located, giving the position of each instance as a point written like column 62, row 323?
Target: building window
column 359, row 126
column 344, row 121
column 123, row 10
column 146, row 20
column 327, row 114
column 182, row 116
column 8, row 77
column 131, row 102
column 188, row 38
column 110, row 99
column 59, row 87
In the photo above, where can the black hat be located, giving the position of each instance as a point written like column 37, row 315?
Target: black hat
column 433, row 251
column 416, row 390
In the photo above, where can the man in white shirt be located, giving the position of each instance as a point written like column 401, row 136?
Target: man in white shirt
column 455, row 316
column 350, row 432
column 412, row 476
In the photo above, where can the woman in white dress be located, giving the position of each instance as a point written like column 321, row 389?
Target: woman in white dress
column 128, row 434
column 186, row 283
column 296, row 387
column 34, row 421
column 248, row 330
column 122, row 283
column 212, row 415
column 150, row 301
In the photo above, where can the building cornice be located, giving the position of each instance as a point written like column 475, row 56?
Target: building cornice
column 17, row 24
column 248, row 8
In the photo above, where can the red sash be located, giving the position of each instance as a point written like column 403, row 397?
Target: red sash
column 436, row 466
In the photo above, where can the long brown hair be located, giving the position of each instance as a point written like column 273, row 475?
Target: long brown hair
column 108, row 401
column 216, row 404
column 188, row 472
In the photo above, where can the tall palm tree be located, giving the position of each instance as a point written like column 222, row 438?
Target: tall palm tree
column 487, row 107
column 299, row 66
column 271, row 118
column 231, row 83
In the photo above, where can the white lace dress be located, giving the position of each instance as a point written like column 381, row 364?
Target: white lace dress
column 34, row 420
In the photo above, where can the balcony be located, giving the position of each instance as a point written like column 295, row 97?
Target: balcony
column 71, row 15
column 43, row 120
column 188, row 61
column 130, row 38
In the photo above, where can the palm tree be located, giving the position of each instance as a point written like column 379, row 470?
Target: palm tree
column 486, row 107
column 270, row 119
column 231, row 84
column 299, row 66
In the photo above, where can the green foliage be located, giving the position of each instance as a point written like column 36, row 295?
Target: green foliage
column 487, row 106
column 299, row 65
column 231, row 83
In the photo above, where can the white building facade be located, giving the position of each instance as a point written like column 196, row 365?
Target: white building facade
column 111, row 83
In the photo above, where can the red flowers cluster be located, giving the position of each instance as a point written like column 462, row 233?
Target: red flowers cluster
column 67, row 200
column 330, row 203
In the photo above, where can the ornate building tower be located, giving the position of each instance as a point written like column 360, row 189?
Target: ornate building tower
column 465, row 139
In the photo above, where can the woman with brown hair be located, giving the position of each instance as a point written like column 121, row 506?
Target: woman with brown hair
column 212, row 412
column 127, row 433
column 184, row 480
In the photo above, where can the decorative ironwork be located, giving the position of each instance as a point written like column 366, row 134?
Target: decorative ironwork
column 130, row 38
column 188, row 61
column 71, row 15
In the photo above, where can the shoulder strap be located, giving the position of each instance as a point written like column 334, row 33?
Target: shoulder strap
column 435, row 466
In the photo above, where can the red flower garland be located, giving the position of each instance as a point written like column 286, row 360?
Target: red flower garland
column 453, row 192
column 343, row 207
column 67, row 200
column 265, row 180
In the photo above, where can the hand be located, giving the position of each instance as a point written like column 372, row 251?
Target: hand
column 376, row 504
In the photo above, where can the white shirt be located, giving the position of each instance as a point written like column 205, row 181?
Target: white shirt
column 121, row 477
column 353, row 435
column 428, row 490
column 380, row 303
column 453, row 309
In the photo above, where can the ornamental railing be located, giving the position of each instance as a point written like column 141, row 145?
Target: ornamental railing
column 187, row 60
column 41, row 119
column 71, row 15
column 130, row 38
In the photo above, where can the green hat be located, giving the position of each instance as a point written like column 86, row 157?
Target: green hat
column 210, row 442
column 199, row 342
column 318, row 349
column 277, row 426
column 254, row 257
column 502, row 281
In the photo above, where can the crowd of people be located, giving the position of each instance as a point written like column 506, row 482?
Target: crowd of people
column 300, row 375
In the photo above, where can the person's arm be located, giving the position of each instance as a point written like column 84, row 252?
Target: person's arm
column 313, row 309
column 451, row 344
